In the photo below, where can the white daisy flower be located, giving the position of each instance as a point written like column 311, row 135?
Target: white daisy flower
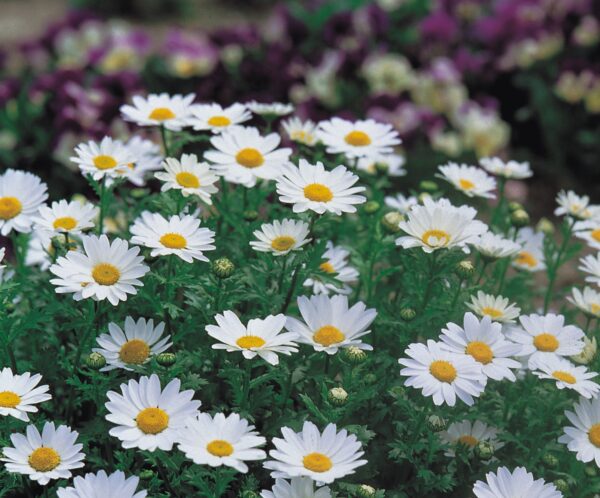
column 148, row 159
column 336, row 264
column 217, row 118
column 329, row 324
column 189, row 176
column 587, row 301
column 296, row 487
column 66, row 217
column 260, row 337
column 440, row 225
column 109, row 158
column 442, row 374
column 134, row 345
column 323, row 457
column 147, row 417
column 469, row 434
column 516, row 484
column 170, row 111
column 571, row 204
column 588, row 231
column 101, row 485
column 243, row 155
column 40, row 250
column 281, row 237
column 358, row 139
column 583, row 437
column 470, row 180
column 178, row 235
column 311, row 187
column 590, row 264
column 484, row 341
column 531, row 255
column 20, row 393
column 510, row 169
column 496, row 307
column 493, row 246
column 566, row 375
column 391, row 164
column 21, row 195
column 301, row 132
column 105, row 270
column 270, row 108
column 221, row 440
column 546, row 335
column 401, row 203
column 46, row 456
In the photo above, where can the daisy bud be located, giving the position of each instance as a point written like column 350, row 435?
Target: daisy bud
column 422, row 196
column 436, row 424
column 407, row 314
column 249, row 494
column 337, row 396
column 591, row 470
column 545, row 226
column 366, row 491
column 166, row 359
column 391, row 221
column 223, row 267
column 355, row 355
column 519, row 218
column 562, row 485
column 550, row 461
column 372, row 207
column 146, row 474
column 428, row 186
column 95, row 361
column 138, row 193
column 370, row 378
column 484, row 450
column 464, row 269
column 250, row 215
column 588, row 354
column 514, row 206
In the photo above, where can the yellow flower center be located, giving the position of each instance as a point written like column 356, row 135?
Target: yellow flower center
column 8, row 399
column 468, row 440
column 104, row 162
column 161, row 114
column 250, row 341
column 173, row 241
column 491, row 312
column 328, row 335
column 596, row 234
column 525, row 258
column 594, row 435
column 466, row 184
column 219, row 448
column 250, row 158
column 317, row 462
column 327, row 267
column 66, row 223
column 187, row 180
column 44, row 459
column 10, row 207
column 565, row 377
column 546, row 342
column 134, row 352
column 480, row 351
column 283, row 243
column 219, row 121
column 106, row 274
column 436, row 238
column 595, row 308
column 152, row 420
column 443, row 371
column 318, row 192
column 357, row 138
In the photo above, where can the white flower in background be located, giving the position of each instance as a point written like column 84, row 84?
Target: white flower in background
column 588, row 231
column 101, row 485
column 311, row 187
column 66, row 217
column 133, row 345
column 242, row 155
column 221, row 440
column 324, row 457
column 105, row 270
column 147, row 417
column 512, row 170
column 21, row 194
column 388, row 73
column 516, row 484
column 281, row 237
column 300, row 132
column 180, row 236
column 40, row 250
column 482, row 130
column 566, row 375
column 496, row 307
column 571, row 204
column 357, row 139
column 109, row 158
column 189, row 176
column 389, row 164
column 583, row 437
column 296, row 487
column 588, row 354
column 336, row 264
column 590, row 264
column 547, row 335
column 170, row 111
column 401, row 203
column 329, row 324
column 485, row 343
column 440, row 225
column 587, row 301
column 494, row 246
column 469, row 434
column 147, row 160
column 270, row 108
column 531, row 255
column 470, row 180
column 442, row 374
column 46, row 456
column 216, row 118
column 262, row 336
column 20, row 393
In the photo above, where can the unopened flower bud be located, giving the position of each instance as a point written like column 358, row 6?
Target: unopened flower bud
column 590, row 348
column 484, row 450
column 407, row 314
column 354, row 355
column 436, row 424
column 562, row 485
column 591, row 470
column 514, row 206
column 519, row 218
column 337, row 396
column 95, row 361
column 428, row 186
column 366, row 491
column 250, row 214
column 391, row 221
column 422, row 196
column 545, row 226
column 464, row 269
column 223, row 267
column 138, row 193
column 370, row 378
column 166, row 359
column 249, row 494
column 146, row 474
column 372, row 207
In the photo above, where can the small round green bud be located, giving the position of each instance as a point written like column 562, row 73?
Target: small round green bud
column 422, row 196
column 436, row 424
column 562, row 485
column 550, row 460
column 138, row 193
column 337, row 396
column 398, row 391
column 370, row 378
column 382, row 168
column 591, row 470
column 391, row 221
column 464, row 269
column 249, row 494
column 514, row 206
column 223, row 267
column 484, row 450
column 95, row 361
column 545, row 226
column 354, row 355
column 519, row 218
column 428, row 186
column 146, row 474
column 250, row 214
column 372, row 207
column 166, row 359
column 366, row 491
column 408, row 314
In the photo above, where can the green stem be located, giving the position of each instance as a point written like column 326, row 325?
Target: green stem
column 501, row 201
column 100, row 227
column 553, row 268
column 246, row 384
column 288, row 297
column 14, row 237
column 482, row 272
column 282, row 274
column 163, row 135
column 455, row 299
column 431, row 279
